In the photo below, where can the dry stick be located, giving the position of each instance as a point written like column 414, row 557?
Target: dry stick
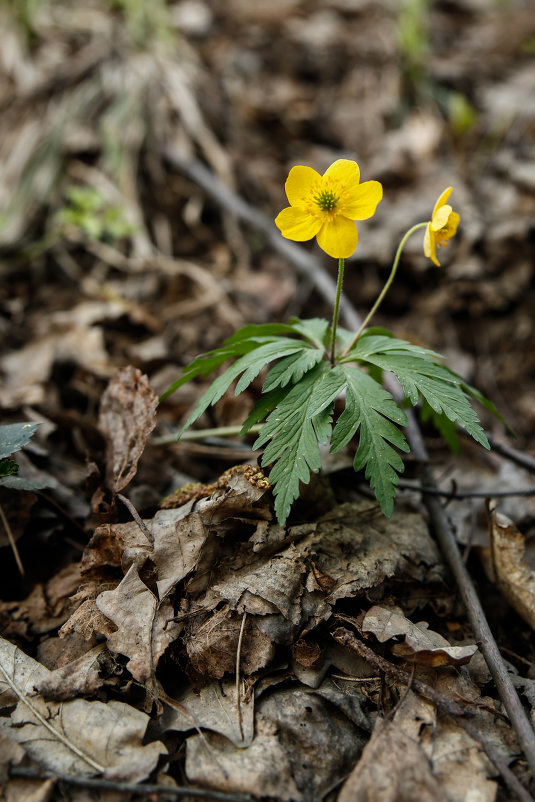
column 12, row 541
column 513, row 454
column 347, row 638
column 137, row 517
column 130, row 788
column 314, row 270
column 238, row 660
column 454, row 495
column 448, row 544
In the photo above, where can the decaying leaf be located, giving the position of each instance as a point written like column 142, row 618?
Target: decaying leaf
column 144, row 627
column 422, row 645
column 212, row 642
column 77, row 737
column 127, row 417
column 301, row 749
column 77, row 678
column 213, row 707
column 393, row 768
column 514, row 576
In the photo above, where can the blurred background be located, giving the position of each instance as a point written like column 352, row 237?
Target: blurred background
column 111, row 253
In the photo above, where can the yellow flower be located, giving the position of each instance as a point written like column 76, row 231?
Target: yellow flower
column 326, row 206
column 441, row 227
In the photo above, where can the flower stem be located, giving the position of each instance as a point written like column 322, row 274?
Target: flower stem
column 387, row 286
column 341, row 264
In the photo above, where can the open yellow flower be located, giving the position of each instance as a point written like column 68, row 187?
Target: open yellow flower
column 326, row 206
column 441, row 228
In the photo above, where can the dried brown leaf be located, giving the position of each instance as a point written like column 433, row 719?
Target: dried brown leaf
column 422, row 645
column 127, row 417
column 77, row 737
column 212, row 644
column 213, row 707
column 393, row 768
column 79, row 678
column 300, row 751
column 144, row 627
column 514, row 575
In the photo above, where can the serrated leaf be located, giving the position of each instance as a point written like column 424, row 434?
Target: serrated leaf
column 375, row 343
column 371, row 410
column 14, row 436
column 314, row 329
column 442, row 424
column 250, row 365
column 489, row 405
column 294, row 435
column 292, row 368
column 263, row 407
column 441, row 388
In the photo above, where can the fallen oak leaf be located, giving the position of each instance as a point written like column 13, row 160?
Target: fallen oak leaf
column 145, row 627
column 422, row 645
column 76, row 737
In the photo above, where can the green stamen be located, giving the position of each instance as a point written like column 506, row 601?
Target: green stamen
column 326, row 200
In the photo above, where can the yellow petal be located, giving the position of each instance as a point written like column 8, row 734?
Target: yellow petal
column 360, row 202
column 440, row 217
column 442, row 199
column 343, row 170
column 453, row 222
column 296, row 224
column 338, row 238
column 430, row 245
column 299, row 183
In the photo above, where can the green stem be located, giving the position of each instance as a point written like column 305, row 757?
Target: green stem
column 341, row 264
column 203, row 434
column 387, row 286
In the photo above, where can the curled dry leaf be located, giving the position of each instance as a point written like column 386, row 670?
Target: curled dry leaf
column 127, row 417
column 77, row 737
column 79, row 677
column 514, row 576
column 144, row 627
column 422, row 645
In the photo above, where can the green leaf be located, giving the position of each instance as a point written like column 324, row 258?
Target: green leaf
column 314, row 329
column 370, row 408
column 371, row 343
column 488, row 405
column 294, row 433
column 8, row 467
column 441, row 388
column 292, row 368
column 442, row 424
column 263, row 407
column 21, row 483
column 250, row 365
column 14, row 436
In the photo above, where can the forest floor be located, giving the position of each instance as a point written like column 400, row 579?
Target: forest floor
column 143, row 155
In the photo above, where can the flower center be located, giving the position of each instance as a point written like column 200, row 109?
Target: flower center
column 326, row 200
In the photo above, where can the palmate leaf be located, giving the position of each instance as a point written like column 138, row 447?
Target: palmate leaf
column 295, row 428
column 250, row 365
column 420, row 374
column 372, row 411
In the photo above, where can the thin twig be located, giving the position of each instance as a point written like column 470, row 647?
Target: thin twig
column 455, row 495
column 137, row 518
column 130, row 788
column 238, row 660
column 347, row 638
column 12, row 541
column 525, row 460
column 480, row 627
